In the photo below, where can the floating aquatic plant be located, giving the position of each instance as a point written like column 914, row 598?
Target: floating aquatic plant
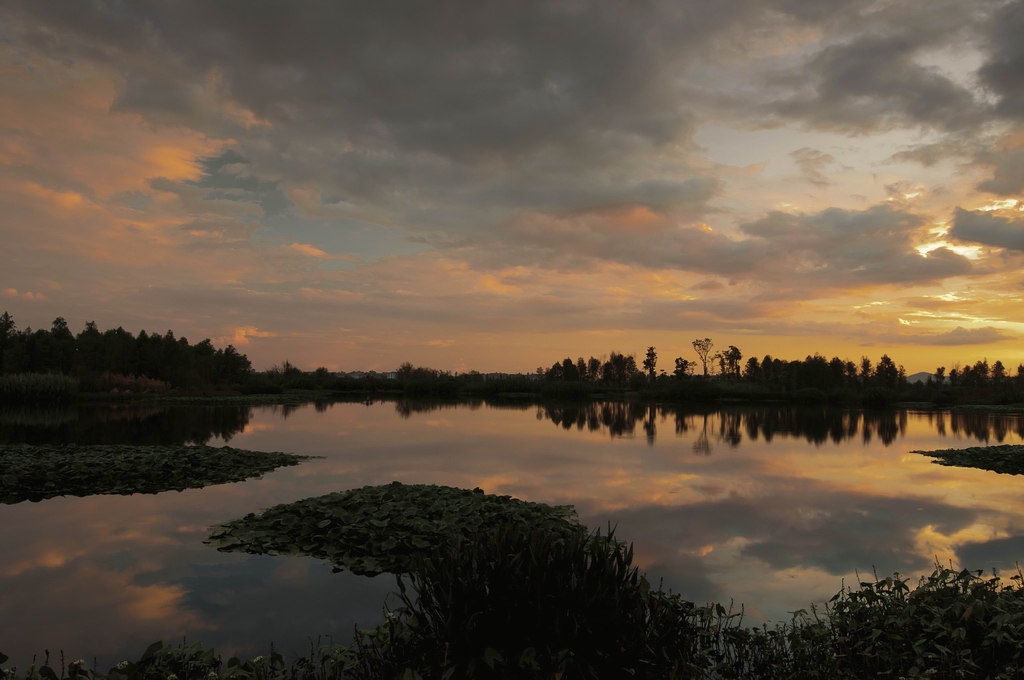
column 1007, row 459
column 384, row 528
column 35, row 473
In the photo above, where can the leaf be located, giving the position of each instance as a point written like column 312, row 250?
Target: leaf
column 492, row 656
column 152, row 649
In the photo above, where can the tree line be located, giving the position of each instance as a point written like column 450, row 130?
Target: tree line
column 813, row 372
column 92, row 354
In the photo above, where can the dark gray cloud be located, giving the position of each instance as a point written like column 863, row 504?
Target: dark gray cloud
column 411, row 107
column 1008, row 175
column 976, row 226
column 831, row 248
column 1000, row 553
column 228, row 176
column 843, row 247
column 874, row 82
column 454, row 78
column 1003, row 72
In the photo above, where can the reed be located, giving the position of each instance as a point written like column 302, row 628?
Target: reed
column 37, row 389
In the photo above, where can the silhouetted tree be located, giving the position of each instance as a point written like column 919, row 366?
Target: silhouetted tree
column 752, row 371
column 865, row 370
column 703, row 348
column 650, row 362
column 8, row 329
column 684, row 368
column 732, row 357
column 886, row 372
column 569, row 372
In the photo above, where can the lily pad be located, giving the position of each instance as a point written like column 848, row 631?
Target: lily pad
column 384, row 528
column 35, row 473
column 1007, row 459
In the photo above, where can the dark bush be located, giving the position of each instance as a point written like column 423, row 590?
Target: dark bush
column 558, row 389
column 260, row 386
column 694, row 389
column 808, row 395
column 301, row 382
column 944, row 398
column 877, row 397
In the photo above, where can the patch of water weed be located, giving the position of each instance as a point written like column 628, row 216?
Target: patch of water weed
column 34, row 473
column 990, row 408
column 385, row 528
column 289, row 398
column 1007, row 459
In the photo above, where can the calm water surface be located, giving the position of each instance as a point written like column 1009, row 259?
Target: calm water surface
column 772, row 507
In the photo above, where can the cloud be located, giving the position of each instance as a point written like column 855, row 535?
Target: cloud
column 849, row 247
column 964, row 336
column 436, row 115
column 523, row 168
column 27, row 295
column 874, row 82
column 1003, row 72
column 228, row 176
column 951, row 146
column 1001, row 553
column 1008, row 165
column 795, row 252
column 240, row 336
column 988, row 229
column 812, row 164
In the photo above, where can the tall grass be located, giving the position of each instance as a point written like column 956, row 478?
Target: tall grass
column 37, row 389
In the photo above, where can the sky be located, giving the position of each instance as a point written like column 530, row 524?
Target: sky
column 494, row 186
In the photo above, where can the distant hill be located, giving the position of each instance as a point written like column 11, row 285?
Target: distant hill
column 922, row 378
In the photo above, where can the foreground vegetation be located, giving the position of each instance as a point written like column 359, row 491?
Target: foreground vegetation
column 525, row 592
column 583, row 611
column 35, row 473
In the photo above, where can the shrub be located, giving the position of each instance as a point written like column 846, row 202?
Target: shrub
column 877, row 397
column 809, row 395
column 559, row 389
column 693, row 390
column 111, row 382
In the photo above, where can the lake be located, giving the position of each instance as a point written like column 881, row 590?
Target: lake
column 768, row 506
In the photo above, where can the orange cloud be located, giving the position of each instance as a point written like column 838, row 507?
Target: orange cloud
column 241, row 335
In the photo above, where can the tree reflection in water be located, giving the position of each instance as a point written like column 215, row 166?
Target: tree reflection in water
column 140, row 423
column 131, row 423
column 729, row 426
